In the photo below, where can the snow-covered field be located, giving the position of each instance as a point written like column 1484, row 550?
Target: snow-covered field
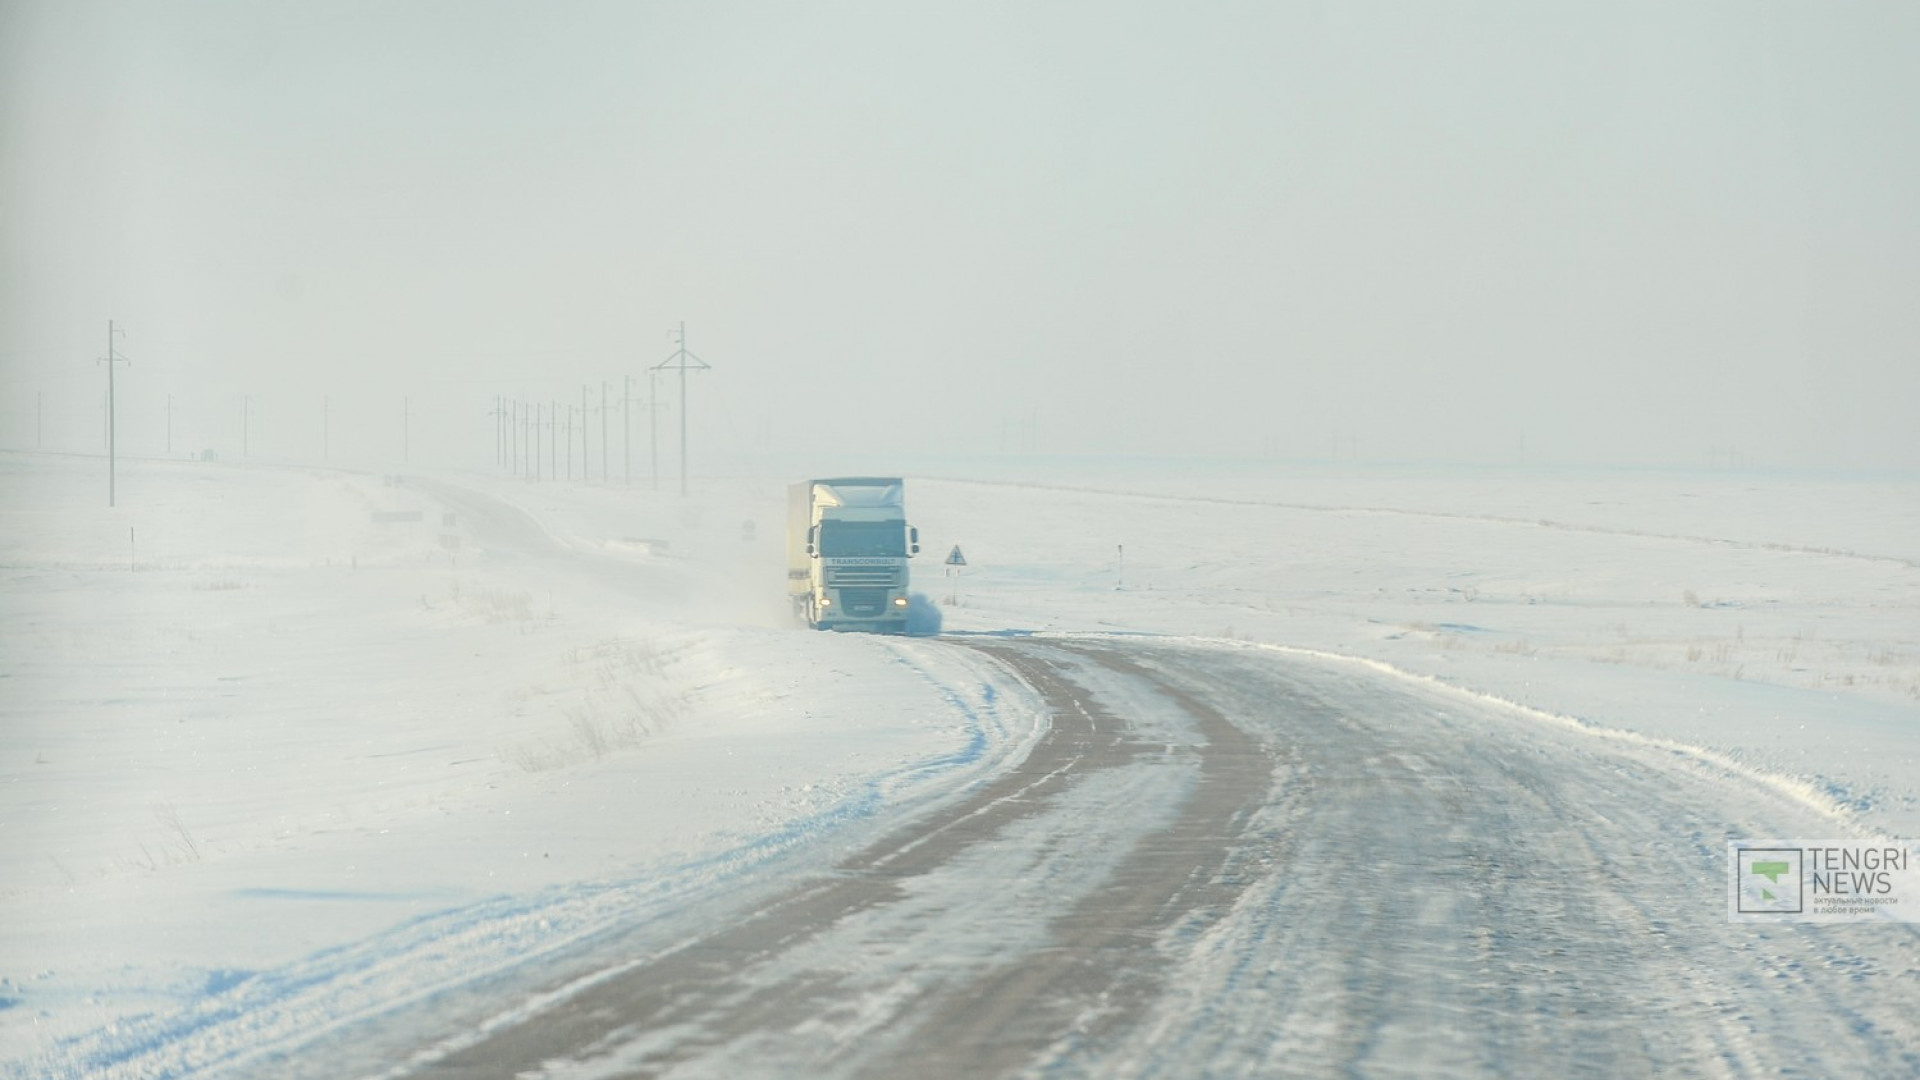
column 282, row 748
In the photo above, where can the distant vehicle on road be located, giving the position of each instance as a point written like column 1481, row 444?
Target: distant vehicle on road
column 848, row 543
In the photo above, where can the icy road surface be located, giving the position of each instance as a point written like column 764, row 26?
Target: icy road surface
column 1227, row 861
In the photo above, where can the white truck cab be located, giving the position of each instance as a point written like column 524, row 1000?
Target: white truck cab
column 848, row 543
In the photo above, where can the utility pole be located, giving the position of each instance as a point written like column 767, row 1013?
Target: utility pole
column 112, row 450
column 679, row 362
column 553, row 440
column 603, row 431
column 627, row 402
column 570, row 439
column 499, row 414
column 653, row 425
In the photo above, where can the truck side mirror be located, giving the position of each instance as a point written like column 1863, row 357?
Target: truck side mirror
column 812, row 531
column 913, row 541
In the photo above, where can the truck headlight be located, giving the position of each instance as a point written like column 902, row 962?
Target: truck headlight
column 826, row 601
column 899, row 601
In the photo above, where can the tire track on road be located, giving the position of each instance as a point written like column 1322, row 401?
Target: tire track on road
column 1106, row 959
column 697, row 999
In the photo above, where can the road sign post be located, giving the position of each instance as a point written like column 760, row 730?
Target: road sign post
column 955, row 561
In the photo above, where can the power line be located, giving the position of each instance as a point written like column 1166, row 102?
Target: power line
column 679, row 362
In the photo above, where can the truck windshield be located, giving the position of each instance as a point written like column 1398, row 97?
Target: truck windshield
column 863, row 539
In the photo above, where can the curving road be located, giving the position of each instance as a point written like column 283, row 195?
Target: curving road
column 1234, row 862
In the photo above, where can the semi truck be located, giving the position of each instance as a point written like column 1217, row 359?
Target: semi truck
column 848, row 543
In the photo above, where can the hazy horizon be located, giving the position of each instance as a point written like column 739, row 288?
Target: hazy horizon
column 1642, row 235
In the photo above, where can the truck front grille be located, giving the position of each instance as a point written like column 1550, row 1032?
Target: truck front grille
column 863, row 602
column 884, row 576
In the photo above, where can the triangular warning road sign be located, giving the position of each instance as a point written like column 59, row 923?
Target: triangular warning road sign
column 954, row 558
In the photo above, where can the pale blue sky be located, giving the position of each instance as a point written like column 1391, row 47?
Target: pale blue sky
column 1623, row 233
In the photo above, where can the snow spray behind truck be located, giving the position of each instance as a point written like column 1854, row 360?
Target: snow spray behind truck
column 848, row 543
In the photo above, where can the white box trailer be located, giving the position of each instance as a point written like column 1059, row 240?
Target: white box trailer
column 848, row 543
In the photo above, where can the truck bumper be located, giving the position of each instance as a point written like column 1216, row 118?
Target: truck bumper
column 874, row 610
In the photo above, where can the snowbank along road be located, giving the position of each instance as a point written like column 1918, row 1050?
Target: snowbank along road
column 1228, row 861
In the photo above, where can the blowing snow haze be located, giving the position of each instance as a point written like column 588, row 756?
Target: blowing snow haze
column 1646, row 234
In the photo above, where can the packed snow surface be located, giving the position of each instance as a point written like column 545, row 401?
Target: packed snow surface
column 284, row 748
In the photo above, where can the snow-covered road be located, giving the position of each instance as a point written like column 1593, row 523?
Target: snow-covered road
column 1439, row 887
column 1225, row 861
